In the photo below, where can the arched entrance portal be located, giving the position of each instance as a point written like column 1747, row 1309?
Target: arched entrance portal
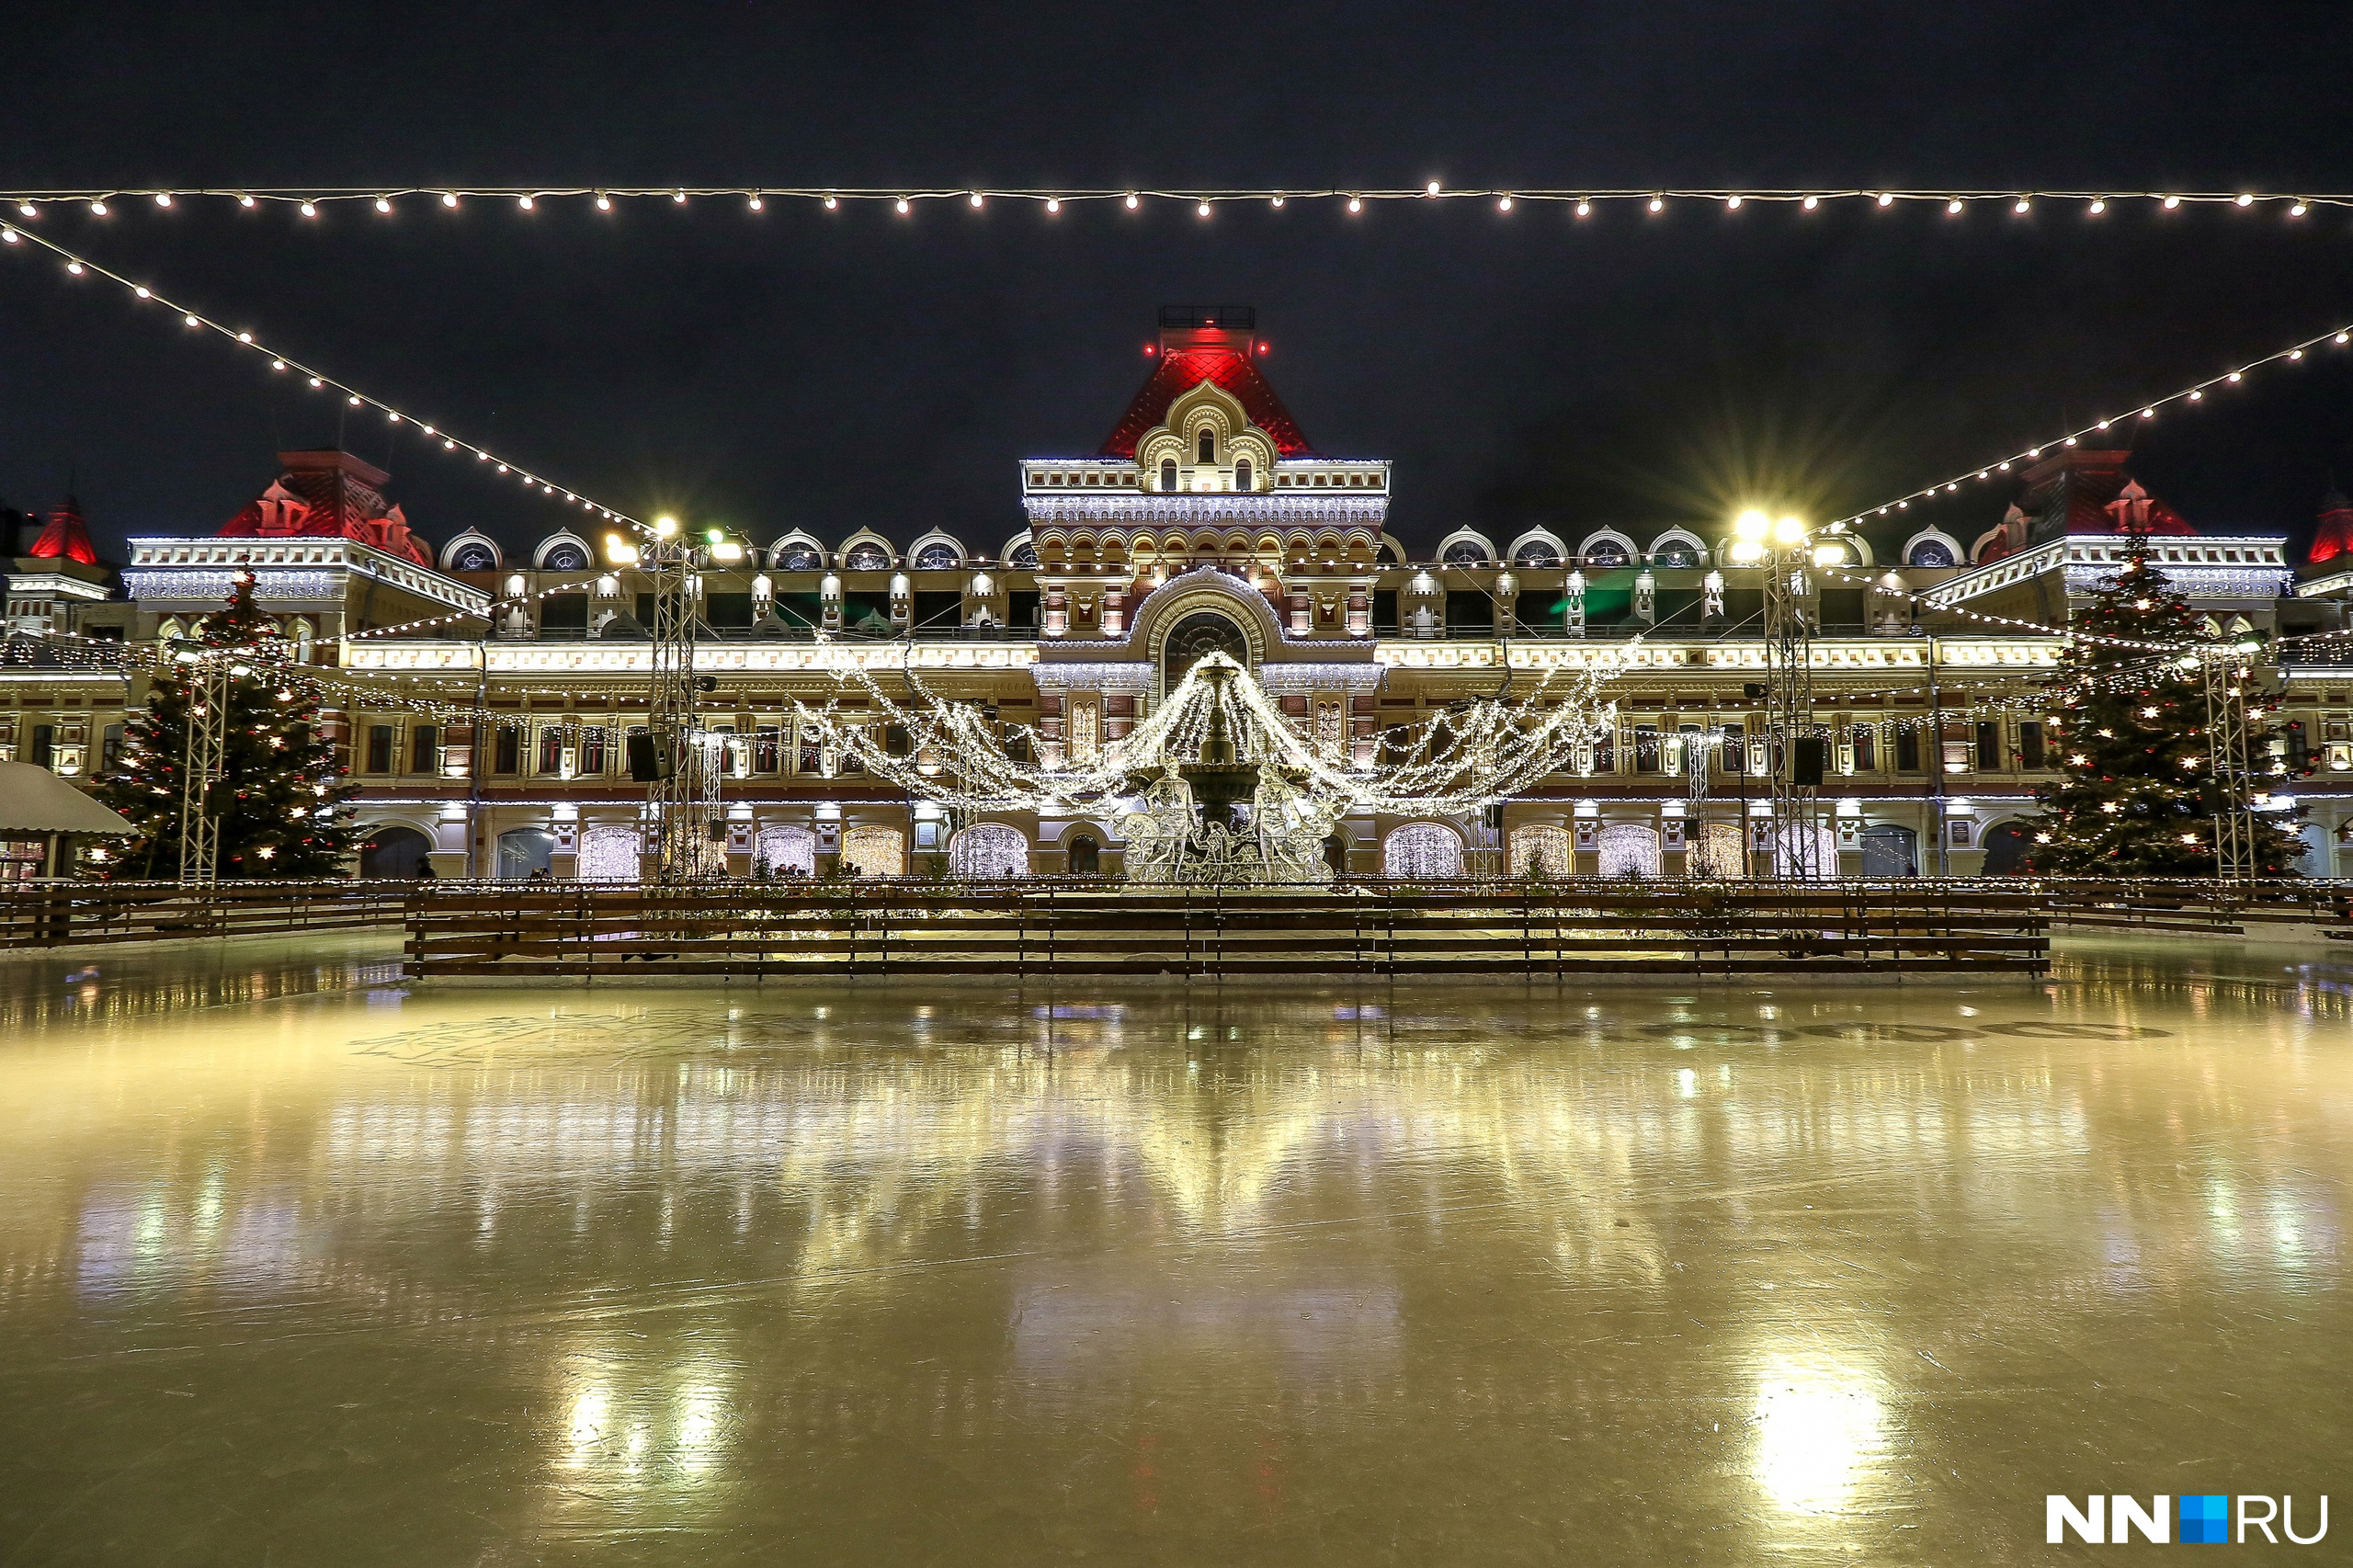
column 1203, row 632
column 1890, row 850
column 1085, row 856
column 524, row 852
column 395, row 852
column 2005, row 847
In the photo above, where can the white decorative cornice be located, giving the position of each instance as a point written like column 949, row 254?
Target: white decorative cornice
column 167, row 569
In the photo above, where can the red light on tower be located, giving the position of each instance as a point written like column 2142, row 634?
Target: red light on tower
column 1150, row 350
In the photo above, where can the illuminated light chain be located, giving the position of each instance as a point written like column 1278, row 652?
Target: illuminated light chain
column 384, row 200
column 1492, row 749
column 2012, row 621
column 2196, row 391
column 369, row 633
column 79, row 267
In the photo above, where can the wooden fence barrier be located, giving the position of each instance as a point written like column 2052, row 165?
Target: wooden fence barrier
column 877, row 929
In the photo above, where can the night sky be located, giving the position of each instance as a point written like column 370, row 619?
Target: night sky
column 797, row 368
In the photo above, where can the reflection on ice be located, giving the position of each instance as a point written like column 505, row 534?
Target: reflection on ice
column 1340, row 1275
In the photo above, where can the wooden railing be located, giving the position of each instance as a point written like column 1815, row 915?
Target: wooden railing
column 878, row 928
column 1374, row 922
column 51, row 914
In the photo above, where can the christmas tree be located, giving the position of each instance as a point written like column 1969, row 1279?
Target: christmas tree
column 283, row 798
column 2137, row 797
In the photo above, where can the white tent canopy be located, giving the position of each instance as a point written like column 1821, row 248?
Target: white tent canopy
column 34, row 803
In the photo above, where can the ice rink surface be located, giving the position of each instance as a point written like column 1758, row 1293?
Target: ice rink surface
column 297, row 1266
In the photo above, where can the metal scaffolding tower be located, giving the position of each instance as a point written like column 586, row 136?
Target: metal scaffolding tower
column 683, row 802
column 1788, row 718
column 2226, row 672
column 203, row 762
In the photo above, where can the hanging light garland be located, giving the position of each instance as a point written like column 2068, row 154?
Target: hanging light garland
column 2339, row 337
column 77, row 266
column 381, row 202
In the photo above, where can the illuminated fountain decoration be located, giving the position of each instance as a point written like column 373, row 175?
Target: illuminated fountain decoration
column 1218, row 787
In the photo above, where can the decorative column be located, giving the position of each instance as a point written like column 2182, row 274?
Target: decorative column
column 903, row 602
column 1050, row 729
column 1572, row 605
column 829, row 596
column 1646, row 597
column 1364, row 724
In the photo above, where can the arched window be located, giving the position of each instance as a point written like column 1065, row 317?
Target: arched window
column 565, row 557
column 1535, row 552
column 609, row 853
column 1024, row 556
column 1463, row 552
column 1627, row 849
column 474, row 555
column 394, row 851
column 1168, row 474
column 1605, row 553
column 1085, row 856
column 936, row 556
column 989, row 851
column 1242, row 473
column 875, row 852
column 866, row 557
column 800, row 558
column 523, row 853
column 1931, row 552
column 1540, row 851
column 786, row 851
column 1206, row 448
column 1422, row 851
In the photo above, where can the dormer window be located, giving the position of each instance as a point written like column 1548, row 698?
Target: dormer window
column 1207, row 452
column 1242, row 473
column 1168, row 474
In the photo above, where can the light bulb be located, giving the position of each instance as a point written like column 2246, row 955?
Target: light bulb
column 384, row 204
column 2172, row 202
column 309, row 210
column 976, row 199
column 902, row 207
column 1278, row 201
column 1355, row 204
column 1658, row 204
column 2298, row 211
column 2023, row 206
column 193, row 321
column 1132, row 201
column 1886, row 198
column 1788, row 530
column 603, row 202
column 831, row 204
column 756, row 204
column 1053, row 204
column 162, row 198
column 1503, row 205
column 524, row 202
column 679, row 196
column 1953, row 206
column 1733, row 202
column 1751, row 524
column 30, row 210
column 244, row 337
column 448, row 199
column 1812, row 203
column 1203, row 211
column 2098, row 206
column 98, row 209
column 1585, row 208
column 1432, row 188
column 2244, row 200
column 141, row 292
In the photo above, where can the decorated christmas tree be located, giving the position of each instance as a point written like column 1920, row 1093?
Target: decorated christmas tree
column 2137, row 797
column 283, row 798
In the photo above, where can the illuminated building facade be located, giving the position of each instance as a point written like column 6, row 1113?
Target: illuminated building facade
column 1206, row 520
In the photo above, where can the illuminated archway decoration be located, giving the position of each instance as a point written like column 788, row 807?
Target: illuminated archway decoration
column 1423, row 851
column 610, row 854
column 789, row 851
column 990, row 850
column 1716, row 854
column 1540, row 851
column 1629, row 849
column 875, row 852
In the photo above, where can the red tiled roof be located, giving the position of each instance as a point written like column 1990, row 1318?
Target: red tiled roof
column 1179, row 371
column 328, row 496
column 66, row 536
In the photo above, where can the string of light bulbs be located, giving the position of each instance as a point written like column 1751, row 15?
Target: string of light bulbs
column 313, row 201
column 2195, row 392
column 78, row 266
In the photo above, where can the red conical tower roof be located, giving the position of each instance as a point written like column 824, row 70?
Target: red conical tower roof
column 1218, row 344
column 2335, row 537
column 66, row 538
